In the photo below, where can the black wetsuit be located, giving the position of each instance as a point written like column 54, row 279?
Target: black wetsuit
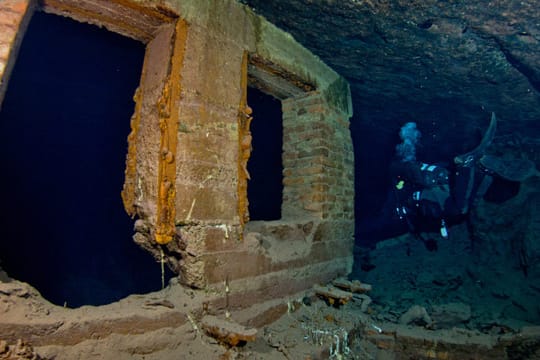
column 422, row 198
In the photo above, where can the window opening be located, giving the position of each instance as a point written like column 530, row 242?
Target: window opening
column 63, row 140
column 265, row 189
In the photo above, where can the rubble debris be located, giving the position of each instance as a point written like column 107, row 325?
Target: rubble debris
column 18, row 289
column 4, row 277
column 450, row 315
column 19, row 351
column 354, row 286
column 333, row 295
column 416, row 314
column 364, row 301
column 227, row 331
column 293, row 305
column 494, row 328
column 279, row 347
column 154, row 303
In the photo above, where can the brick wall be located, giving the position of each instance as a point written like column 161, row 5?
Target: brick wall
column 13, row 20
column 317, row 159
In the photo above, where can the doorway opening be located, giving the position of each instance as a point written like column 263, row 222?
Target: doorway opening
column 265, row 189
column 64, row 124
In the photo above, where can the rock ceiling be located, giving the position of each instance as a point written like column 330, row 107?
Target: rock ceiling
column 445, row 64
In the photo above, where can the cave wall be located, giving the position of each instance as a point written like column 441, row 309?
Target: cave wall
column 505, row 237
column 190, row 139
column 507, row 227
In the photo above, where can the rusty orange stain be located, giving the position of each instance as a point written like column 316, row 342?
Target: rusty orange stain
column 128, row 192
column 169, row 113
column 244, row 143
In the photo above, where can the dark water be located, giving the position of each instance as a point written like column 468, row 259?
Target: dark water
column 63, row 130
column 265, row 188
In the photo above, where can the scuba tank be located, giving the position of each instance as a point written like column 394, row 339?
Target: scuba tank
column 420, row 174
column 432, row 175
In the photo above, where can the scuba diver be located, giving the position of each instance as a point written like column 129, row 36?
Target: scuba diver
column 424, row 194
column 430, row 197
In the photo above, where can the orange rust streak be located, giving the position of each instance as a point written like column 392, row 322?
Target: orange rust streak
column 128, row 192
column 130, row 173
column 244, row 143
column 169, row 111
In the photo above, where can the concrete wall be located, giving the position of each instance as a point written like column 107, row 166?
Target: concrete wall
column 190, row 138
column 13, row 21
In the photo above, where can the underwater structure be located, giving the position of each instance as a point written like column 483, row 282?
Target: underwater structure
column 245, row 286
column 186, row 174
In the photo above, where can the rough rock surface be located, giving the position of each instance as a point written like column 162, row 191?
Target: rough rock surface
column 19, row 351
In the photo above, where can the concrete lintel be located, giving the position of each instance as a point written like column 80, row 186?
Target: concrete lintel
column 124, row 17
column 269, row 43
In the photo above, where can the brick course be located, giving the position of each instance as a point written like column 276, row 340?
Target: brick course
column 317, row 150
